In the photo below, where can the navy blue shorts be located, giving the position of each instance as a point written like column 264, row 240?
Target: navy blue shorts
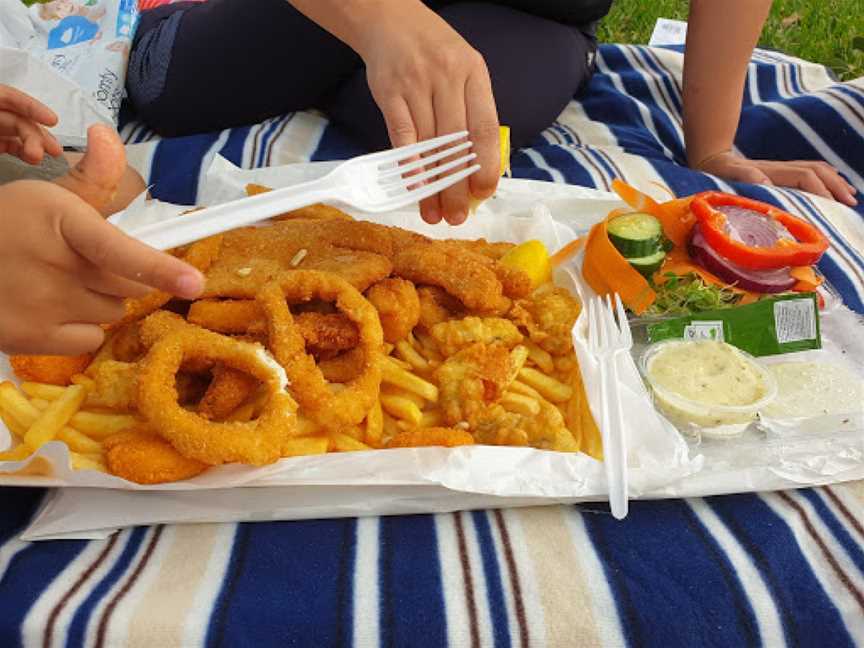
column 198, row 67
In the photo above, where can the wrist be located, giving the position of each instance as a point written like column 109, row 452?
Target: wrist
column 699, row 162
column 363, row 21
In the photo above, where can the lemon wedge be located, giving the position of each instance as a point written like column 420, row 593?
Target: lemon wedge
column 504, row 142
column 532, row 258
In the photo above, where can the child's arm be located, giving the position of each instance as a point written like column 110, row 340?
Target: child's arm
column 720, row 39
column 63, row 269
column 427, row 81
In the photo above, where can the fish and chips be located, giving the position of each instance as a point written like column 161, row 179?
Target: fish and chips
column 315, row 333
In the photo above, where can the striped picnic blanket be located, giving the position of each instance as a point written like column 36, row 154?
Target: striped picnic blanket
column 775, row 569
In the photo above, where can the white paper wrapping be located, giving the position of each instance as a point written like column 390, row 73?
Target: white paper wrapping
column 661, row 463
column 70, row 55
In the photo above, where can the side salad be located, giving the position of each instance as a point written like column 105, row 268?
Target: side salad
column 705, row 252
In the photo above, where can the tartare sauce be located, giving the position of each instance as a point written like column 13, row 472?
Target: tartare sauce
column 708, row 372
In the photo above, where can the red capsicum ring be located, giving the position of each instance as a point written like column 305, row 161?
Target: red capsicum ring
column 807, row 247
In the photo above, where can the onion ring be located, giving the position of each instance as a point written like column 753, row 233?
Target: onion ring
column 331, row 411
column 255, row 442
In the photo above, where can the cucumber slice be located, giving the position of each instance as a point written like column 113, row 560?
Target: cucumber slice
column 635, row 235
column 648, row 265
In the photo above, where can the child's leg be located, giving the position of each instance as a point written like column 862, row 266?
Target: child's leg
column 537, row 65
column 198, row 67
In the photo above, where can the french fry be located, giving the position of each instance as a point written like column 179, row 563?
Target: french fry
column 18, row 453
column 419, row 401
column 81, row 461
column 520, row 404
column 301, row 446
column 14, row 426
column 395, row 375
column 43, row 391
column 81, row 379
column 40, row 403
column 548, row 387
column 427, row 347
column 401, row 409
column 389, row 425
column 431, row 418
column 79, row 442
column 99, row 425
column 564, row 441
column 565, row 364
column 541, row 358
column 374, row 426
column 344, row 443
column 409, row 354
column 518, row 387
column 16, row 405
column 55, row 418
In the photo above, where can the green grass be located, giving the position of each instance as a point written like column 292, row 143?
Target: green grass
column 830, row 32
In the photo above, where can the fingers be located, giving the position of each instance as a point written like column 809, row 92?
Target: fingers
column 22, row 104
column 112, row 251
column 34, row 140
column 450, row 115
column 423, row 114
column 400, row 124
column 72, row 339
column 111, row 285
column 484, row 133
column 97, row 175
column 831, row 180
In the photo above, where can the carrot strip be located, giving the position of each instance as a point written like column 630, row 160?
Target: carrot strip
column 566, row 252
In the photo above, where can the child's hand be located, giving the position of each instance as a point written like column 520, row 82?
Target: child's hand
column 22, row 132
column 814, row 177
column 63, row 269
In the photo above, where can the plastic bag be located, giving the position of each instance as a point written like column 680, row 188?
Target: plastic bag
column 71, row 55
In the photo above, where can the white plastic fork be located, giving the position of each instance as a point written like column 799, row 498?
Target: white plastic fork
column 607, row 339
column 373, row 183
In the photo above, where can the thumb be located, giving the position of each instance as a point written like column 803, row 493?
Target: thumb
column 97, row 175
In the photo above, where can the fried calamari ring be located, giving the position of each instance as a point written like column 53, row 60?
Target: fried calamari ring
column 255, row 442
column 331, row 411
column 139, row 456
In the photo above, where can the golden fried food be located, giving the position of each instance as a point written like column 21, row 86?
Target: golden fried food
column 462, row 275
column 254, row 442
column 140, row 456
column 433, row 436
column 200, row 255
column 472, row 379
column 234, row 316
column 54, row 370
column 322, row 331
column 228, row 390
column 349, row 406
column 454, row 335
column 344, row 367
column 450, row 346
column 398, row 307
column 115, row 386
column 437, row 306
column 548, row 318
column 126, row 344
